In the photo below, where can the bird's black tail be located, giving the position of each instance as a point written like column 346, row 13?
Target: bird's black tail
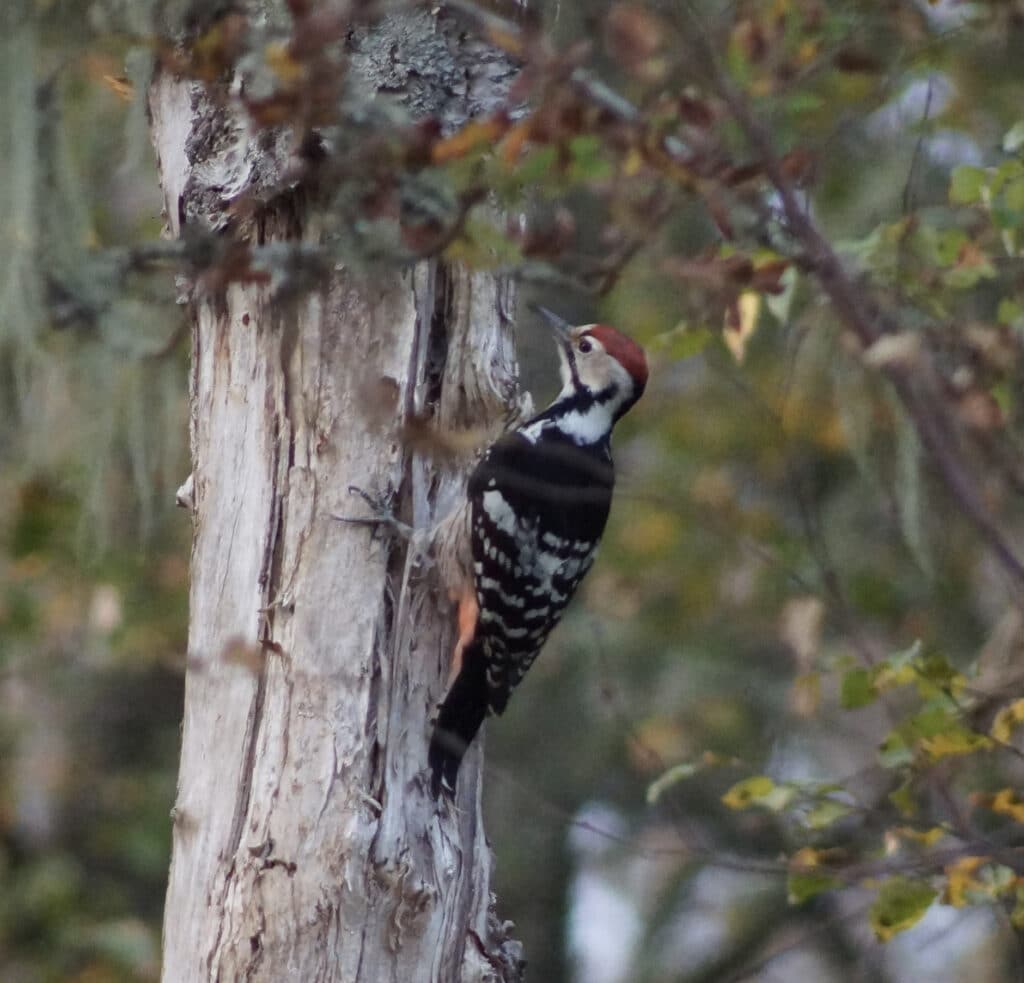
column 459, row 718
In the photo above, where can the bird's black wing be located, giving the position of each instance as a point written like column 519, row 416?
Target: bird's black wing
column 538, row 511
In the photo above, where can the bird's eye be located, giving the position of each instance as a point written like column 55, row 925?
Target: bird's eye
column 584, row 345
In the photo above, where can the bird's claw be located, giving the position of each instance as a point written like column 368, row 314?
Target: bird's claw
column 383, row 516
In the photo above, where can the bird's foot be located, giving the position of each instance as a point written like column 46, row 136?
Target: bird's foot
column 383, row 515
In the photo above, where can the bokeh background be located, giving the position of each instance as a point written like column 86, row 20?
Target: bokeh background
column 777, row 530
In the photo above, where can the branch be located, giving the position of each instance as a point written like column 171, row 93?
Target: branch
column 852, row 303
column 866, row 321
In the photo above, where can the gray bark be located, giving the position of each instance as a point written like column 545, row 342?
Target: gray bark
column 306, row 845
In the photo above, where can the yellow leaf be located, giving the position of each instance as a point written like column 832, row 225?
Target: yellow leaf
column 806, row 858
column 807, row 52
column 808, row 876
column 473, row 136
column 506, row 40
column 1007, row 720
column 946, row 745
column 960, row 879
column 759, row 791
column 121, row 87
column 1006, row 803
column 281, row 62
column 654, row 533
column 976, row 880
column 926, row 837
column 901, row 903
column 514, row 142
column 805, row 694
column 633, row 163
column 889, row 677
column 800, row 627
column 740, row 323
column 745, row 793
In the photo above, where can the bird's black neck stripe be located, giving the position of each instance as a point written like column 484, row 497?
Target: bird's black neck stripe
column 573, row 371
column 579, row 400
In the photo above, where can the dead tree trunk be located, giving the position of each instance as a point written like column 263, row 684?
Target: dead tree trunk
column 306, row 844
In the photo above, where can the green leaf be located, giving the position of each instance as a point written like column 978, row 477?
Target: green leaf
column 857, row 689
column 901, row 903
column 899, row 669
column 967, row 184
column 825, row 813
column 903, row 799
column 911, row 496
column 779, row 304
column 589, row 162
column 939, row 718
column 537, row 165
column 483, row 245
column 684, row 341
column 804, row 102
column 1009, row 311
column 674, row 775
column 954, row 740
column 936, row 674
column 1017, row 914
column 759, row 790
column 1004, row 174
column 964, row 277
column 1013, row 139
column 894, row 751
column 937, row 246
column 905, row 656
column 1013, row 195
column 806, row 884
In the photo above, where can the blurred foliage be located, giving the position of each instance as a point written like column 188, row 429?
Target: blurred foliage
column 786, row 720
column 93, row 565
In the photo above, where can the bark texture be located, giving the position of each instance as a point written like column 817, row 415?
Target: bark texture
column 306, row 844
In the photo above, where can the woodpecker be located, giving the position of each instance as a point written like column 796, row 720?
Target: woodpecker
column 514, row 553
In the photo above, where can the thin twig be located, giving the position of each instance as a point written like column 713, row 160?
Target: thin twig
column 862, row 316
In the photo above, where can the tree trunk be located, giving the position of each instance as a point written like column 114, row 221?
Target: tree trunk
column 306, row 845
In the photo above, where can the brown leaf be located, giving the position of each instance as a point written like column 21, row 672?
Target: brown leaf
column 857, row 60
column 695, row 112
column 719, row 211
column 971, row 256
column 475, row 134
column 421, row 140
column 633, row 34
column 274, row 110
column 741, row 173
column 514, row 141
column 511, row 42
column 748, row 38
column 215, row 51
column 716, row 273
column 767, row 276
column 550, row 238
column 798, row 167
column 979, row 410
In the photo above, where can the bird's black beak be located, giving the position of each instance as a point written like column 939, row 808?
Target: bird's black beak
column 559, row 326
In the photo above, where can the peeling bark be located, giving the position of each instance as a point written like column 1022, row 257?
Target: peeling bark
column 306, row 844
